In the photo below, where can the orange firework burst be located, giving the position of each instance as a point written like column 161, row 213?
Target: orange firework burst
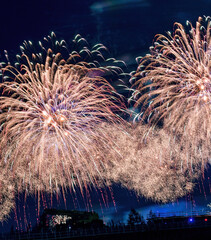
column 174, row 83
column 51, row 121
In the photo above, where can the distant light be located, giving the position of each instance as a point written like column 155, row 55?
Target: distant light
column 205, row 219
column 190, row 219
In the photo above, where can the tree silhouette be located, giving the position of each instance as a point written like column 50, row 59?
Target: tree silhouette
column 134, row 218
column 152, row 214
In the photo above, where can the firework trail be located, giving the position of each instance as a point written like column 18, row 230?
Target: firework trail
column 52, row 114
column 151, row 165
column 79, row 52
column 174, row 84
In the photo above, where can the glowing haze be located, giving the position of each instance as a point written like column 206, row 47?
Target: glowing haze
column 152, row 164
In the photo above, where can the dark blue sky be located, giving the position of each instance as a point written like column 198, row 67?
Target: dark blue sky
column 127, row 29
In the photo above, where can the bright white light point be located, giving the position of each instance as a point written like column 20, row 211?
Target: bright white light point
column 198, row 82
column 44, row 113
column 49, row 119
column 205, row 98
column 62, row 118
column 65, row 133
column 202, row 87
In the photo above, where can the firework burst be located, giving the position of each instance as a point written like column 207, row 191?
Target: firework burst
column 174, row 83
column 51, row 122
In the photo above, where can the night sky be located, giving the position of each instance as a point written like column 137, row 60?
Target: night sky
column 127, row 29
